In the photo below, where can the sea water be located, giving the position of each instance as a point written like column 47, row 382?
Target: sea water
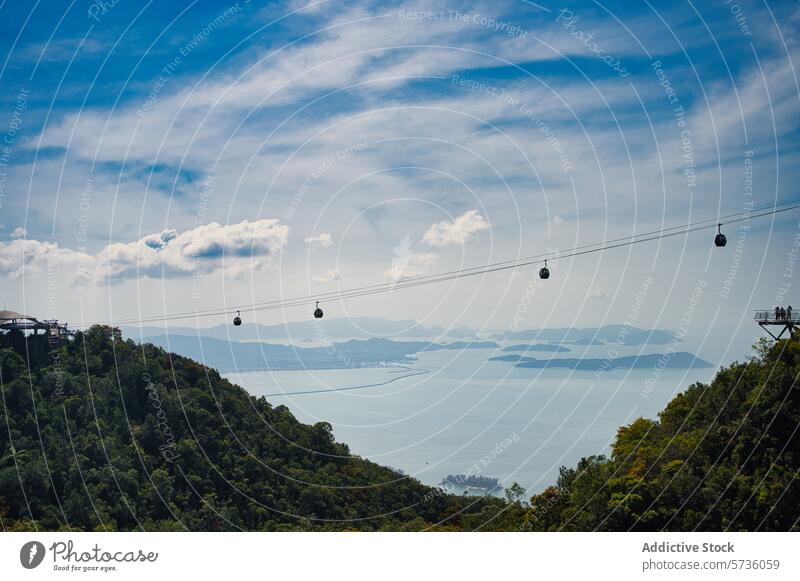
column 455, row 412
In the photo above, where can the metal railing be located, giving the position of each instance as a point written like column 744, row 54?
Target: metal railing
column 771, row 317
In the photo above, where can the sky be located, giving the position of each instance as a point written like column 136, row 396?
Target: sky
column 166, row 157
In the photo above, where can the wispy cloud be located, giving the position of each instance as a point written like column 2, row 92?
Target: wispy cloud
column 329, row 276
column 456, row 231
column 321, row 240
column 597, row 293
column 407, row 263
column 61, row 50
column 454, row 115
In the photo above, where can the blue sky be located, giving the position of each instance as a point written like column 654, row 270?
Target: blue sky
column 224, row 153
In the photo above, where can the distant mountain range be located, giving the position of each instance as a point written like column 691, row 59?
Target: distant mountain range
column 323, row 329
column 249, row 352
column 377, row 327
column 620, row 334
column 359, row 353
column 678, row 360
column 353, row 354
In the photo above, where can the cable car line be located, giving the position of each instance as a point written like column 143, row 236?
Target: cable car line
column 484, row 269
column 681, row 230
column 334, row 294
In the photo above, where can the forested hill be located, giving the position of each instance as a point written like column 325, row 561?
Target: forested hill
column 724, row 456
column 107, row 434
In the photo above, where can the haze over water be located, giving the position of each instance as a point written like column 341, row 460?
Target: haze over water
column 470, row 415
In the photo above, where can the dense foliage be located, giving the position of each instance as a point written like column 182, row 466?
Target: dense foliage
column 723, row 456
column 106, row 434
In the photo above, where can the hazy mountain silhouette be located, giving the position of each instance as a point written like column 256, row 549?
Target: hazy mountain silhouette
column 334, row 328
column 677, row 360
column 353, row 354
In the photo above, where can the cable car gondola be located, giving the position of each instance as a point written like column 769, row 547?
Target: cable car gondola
column 544, row 272
column 237, row 320
column 720, row 240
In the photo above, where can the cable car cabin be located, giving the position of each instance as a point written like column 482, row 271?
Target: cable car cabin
column 544, row 272
column 237, row 320
column 720, row 239
column 779, row 318
column 317, row 312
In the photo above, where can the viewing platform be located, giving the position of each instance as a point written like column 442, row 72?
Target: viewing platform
column 784, row 321
column 11, row 321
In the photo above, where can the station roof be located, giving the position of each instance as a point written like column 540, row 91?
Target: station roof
column 11, row 315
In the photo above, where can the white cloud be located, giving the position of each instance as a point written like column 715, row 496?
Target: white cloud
column 61, row 50
column 415, row 264
column 33, row 256
column 329, row 276
column 457, row 231
column 597, row 293
column 19, row 233
column 321, row 240
column 489, row 142
column 236, row 248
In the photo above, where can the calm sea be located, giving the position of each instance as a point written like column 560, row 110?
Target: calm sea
column 452, row 412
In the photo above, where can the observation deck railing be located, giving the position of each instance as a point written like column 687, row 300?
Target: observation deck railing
column 786, row 321
column 770, row 318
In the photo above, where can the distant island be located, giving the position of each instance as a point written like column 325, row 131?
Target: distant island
column 538, row 347
column 677, row 360
column 510, row 358
column 333, row 328
column 357, row 353
column 486, row 483
column 245, row 355
column 378, row 327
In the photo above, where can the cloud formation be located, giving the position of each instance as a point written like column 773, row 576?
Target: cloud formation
column 329, row 276
column 33, row 256
column 597, row 293
column 415, row 264
column 236, row 248
column 457, row 231
column 321, row 240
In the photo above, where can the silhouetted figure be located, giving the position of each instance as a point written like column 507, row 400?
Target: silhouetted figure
column 783, row 314
column 777, row 313
column 789, row 313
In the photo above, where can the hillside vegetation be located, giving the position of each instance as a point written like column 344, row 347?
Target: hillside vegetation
column 722, row 456
column 107, row 434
